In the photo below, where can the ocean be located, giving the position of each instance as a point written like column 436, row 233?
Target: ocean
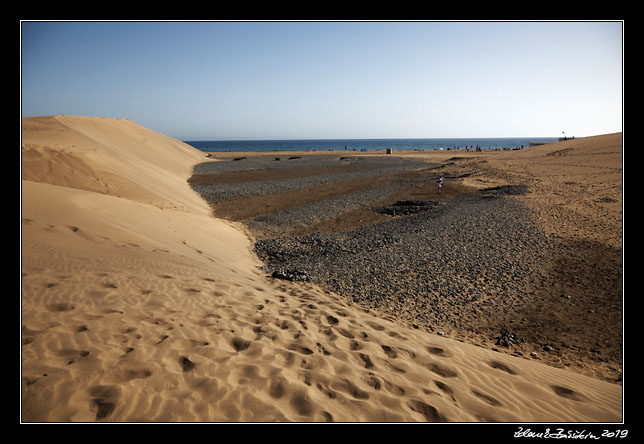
column 365, row 144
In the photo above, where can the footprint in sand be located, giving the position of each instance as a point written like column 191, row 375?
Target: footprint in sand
column 127, row 352
column 350, row 388
column 389, row 351
column 395, row 368
column 502, row 367
column 191, row 290
column 439, row 351
column 375, row 326
column 186, row 364
column 430, row 412
column 441, row 370
column 61, row 306
column 569, row 393
column 300, row 349
column 104, row 399
column 198, row 343
column 72, row 356
column 301, row 404
column 487, row 398
column 324, row 351
column 323, row 387
column 366, row 360
column 372, row 381
column 163, row 338
column 276, row 388
column 445, row 389
column 395, row 335
column 128, row 372
column 240, row 344
column 393, row 388
column 346, row 333
column 332, row 320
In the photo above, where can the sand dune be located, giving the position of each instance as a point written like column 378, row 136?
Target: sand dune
column 138, row 305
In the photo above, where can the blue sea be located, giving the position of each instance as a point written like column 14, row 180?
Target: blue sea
column 365, row 144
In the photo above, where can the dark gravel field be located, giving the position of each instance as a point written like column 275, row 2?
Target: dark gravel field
column 441, row 266
column 470, row 263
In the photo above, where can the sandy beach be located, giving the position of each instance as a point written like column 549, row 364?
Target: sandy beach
column 145, row 300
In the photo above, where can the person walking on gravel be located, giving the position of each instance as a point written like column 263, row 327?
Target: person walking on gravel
column 439, row 183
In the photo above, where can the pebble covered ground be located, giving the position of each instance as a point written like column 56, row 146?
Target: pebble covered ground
column 355, row 168
column 448, row 257
column 470, row 263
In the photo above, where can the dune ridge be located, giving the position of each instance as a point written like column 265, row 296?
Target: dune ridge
column 138, row 306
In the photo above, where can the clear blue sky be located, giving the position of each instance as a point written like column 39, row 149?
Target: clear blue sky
column 297, row 80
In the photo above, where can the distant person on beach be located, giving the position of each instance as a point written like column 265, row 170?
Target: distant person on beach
column 439, row 183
